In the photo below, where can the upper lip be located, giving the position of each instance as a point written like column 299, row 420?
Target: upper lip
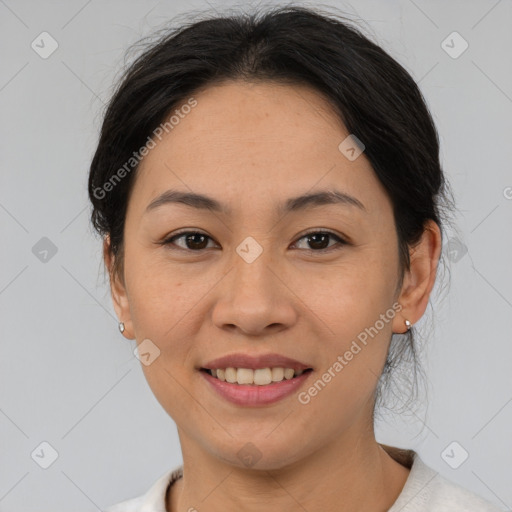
column 258, row 361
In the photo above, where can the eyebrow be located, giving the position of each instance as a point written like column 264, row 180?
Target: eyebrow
column 293, row 204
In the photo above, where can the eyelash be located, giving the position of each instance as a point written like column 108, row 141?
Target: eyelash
column 341, row 242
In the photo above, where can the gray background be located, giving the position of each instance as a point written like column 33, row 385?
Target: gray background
column 68, row 378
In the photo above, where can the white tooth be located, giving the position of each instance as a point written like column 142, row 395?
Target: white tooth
column 262, row 376
column 245, row 376
column 288, row 373
column 277, row 374
column 230, row 374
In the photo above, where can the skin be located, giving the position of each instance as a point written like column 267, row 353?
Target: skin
column 252, row 146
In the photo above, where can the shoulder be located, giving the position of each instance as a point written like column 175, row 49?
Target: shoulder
column 131, row 505
column 426, row 490
column 445, row 495
column 154, row 499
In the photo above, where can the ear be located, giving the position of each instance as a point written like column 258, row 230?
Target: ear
column 420, row 278
column 118, row 291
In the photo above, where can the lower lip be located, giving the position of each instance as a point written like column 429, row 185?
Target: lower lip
column 252, row 395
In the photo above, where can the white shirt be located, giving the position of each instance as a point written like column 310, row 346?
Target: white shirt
column 424, row 491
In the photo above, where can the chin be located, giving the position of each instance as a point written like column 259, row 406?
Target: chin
column 260, row 452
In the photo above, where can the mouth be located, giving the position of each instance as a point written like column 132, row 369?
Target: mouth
column 255, row 377
column 255, row 380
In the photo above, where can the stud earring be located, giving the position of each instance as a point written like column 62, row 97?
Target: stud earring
column 407, row 324
column 121, row 327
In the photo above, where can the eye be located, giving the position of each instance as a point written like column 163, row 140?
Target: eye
column 197, row 241
column 319, row 241
column 191, row 240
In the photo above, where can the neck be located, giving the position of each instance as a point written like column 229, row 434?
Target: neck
column 350, row 474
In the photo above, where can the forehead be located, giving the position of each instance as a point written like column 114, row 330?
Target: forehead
column 255, row 140
column 242, row 117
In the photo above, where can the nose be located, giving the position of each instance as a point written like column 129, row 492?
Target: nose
column 255, row 299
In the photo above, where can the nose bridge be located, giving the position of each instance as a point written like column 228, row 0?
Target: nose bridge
column 252, row 275
column 253, row 297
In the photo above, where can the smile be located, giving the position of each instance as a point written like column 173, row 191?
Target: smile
column 246, row 392
column 258, row 376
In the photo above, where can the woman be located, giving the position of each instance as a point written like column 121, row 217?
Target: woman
column 270, row 196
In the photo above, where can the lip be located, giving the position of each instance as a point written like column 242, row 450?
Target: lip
column 253, row 395
column 244, row 360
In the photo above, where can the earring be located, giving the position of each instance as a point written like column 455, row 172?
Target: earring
column 121, row 327
column 407, row 324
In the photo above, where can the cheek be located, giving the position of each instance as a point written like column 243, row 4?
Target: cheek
column 355, row 307
column 160, row 294
column 162, row 309
column 354, row 294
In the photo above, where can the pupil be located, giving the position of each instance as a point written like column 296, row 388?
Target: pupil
column 314, row 243
column 192, row 241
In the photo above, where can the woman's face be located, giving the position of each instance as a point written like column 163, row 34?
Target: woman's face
column 255, row 283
